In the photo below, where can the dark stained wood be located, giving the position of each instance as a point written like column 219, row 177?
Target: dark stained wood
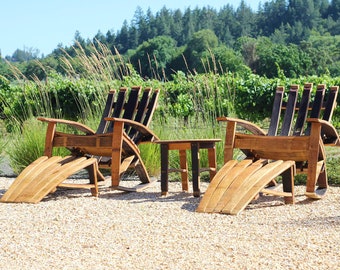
column 317, row 105
column 303, row 110
column 194, row 145
column 107, row 112
column 276, row 112
column 331, row 103
column 290, row 110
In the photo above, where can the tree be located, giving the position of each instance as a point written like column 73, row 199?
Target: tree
column 247, row 47
column 163, row 21
column 201, row 42
column 79, row 40
column 271, row 17
column 152, row 57
column 225, row 25
column 297, row 33
column 188, row 25
column 24, row 55
column 246, row 20
column 140, row 23
column 123, row 38
column 99, row 37
column 275, row 58
column 334, row 9
column 223, row 59
column 177, row 28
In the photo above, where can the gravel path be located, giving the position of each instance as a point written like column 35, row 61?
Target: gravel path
column 72, row 230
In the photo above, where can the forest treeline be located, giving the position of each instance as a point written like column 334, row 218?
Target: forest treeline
column 294, row 38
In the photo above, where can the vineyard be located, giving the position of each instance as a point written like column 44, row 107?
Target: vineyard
column 188, row 104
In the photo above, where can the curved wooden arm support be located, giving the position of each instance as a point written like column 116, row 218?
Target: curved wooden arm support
column 148, row 134
column 254, row 129
column 76, row 125
column 231, row 131
column 329, row 134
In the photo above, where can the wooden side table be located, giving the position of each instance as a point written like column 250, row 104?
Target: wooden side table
column 182, row 146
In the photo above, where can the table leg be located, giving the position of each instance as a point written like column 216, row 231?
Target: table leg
column 212, row 162
column 164, row 168
column 195, row 168
column 184, row 169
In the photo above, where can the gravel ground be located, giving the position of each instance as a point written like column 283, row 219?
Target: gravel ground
column 72, row 230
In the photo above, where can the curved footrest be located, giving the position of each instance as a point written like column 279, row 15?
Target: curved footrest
column 317, row 194
column 137, row 188
column 45, row 174
column 236, row 184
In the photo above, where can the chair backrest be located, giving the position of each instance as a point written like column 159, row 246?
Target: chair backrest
column 303, row 106
column 130, row 105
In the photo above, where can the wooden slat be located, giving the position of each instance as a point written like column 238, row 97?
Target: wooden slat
column 106, row 113
column 142, row 105
column 290, row 110
column 44, row 175
column 235, row 185
column 140, row 112
column 24, row 180
column 43, row 183
column 223, row 185
column 184, row 169
column 276, row 112
column 59, row 176
column 317, row 105
column 328, row 132
column 151, row 108
column 118, row 106
column 331, row 103
column 19, row 183
column 132, row 102
column 318, row 101
column 242, row 196
column 303, row 110
column 75, row 186
column 255, row 184
column 274, row 147
column 223, row 172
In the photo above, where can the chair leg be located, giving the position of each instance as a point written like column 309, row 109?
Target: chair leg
column 142, row 171
column 288, row 184
column 93, row 169
column 323, row 179
column 184, row 169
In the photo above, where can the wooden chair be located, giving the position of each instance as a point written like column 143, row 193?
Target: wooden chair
column 277, row 152
column 114, row 146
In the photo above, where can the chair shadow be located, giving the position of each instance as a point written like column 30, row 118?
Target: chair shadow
column 2, row 192
column 190, row 203
column 275, row 201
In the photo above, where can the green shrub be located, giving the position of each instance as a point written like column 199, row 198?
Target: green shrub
column 27, row 144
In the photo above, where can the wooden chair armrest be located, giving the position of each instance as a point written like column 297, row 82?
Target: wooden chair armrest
column 329, row 134
column 76, row 125
column 144, row 130
column 249, row 126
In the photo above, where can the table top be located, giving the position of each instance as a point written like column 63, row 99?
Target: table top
column 188, row 141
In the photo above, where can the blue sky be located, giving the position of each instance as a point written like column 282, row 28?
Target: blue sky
column 43, row 24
